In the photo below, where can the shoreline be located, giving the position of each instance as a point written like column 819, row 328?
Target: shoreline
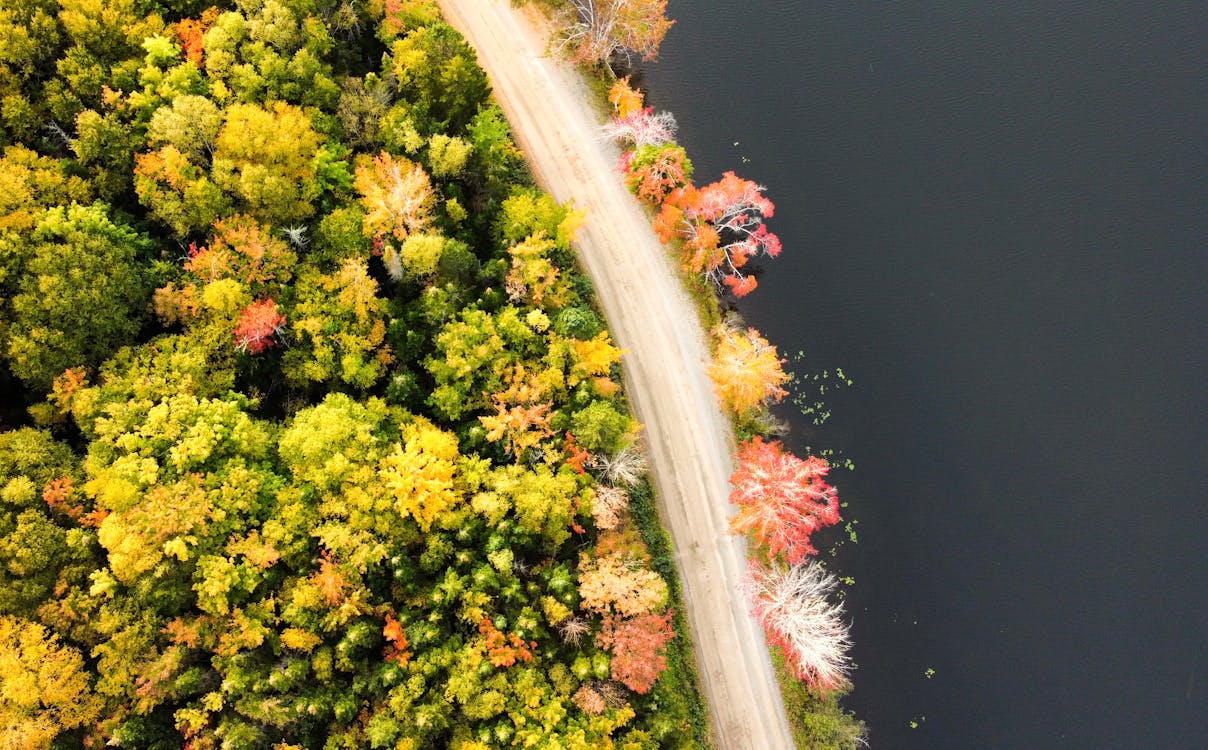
column 690, row 440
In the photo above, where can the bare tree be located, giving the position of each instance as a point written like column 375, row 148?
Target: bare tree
column 791, row 604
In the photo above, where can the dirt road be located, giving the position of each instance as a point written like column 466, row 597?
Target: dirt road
column 652, row 318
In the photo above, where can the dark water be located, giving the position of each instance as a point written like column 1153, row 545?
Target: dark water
column 994, row 216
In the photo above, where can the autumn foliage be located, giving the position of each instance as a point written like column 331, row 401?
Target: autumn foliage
column 746, row 370
column 625, row 99
column 722, row 228
column 260, row 325
column 782, row 499
column 595, row 30
column 791, row 604
column 397, row 195
column 637, row 646
column 504, row 649
column 652, row 172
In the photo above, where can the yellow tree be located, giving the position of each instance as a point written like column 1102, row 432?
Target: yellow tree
column 746, row 370
column 420, row 472
column 44, row 688
column 522, row 413
column 625, row 99
column 612, row 583
column 397, row 195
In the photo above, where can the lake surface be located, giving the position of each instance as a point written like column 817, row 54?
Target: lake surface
column 995, row 217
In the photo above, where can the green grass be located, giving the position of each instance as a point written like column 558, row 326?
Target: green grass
column 817, row 723
column 676, row 696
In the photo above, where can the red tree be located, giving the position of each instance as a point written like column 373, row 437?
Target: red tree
column 258, row 324
column 791, row 604
column 722, row 228
column 638, row 648
column 782, row 500
column 652, row 172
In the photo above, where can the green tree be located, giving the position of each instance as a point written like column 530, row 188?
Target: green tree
column 190, row 123
column 80, row 295
column 339, row 328
column 38, row 476
column 438, row 74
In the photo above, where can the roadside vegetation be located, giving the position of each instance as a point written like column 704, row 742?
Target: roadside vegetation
column 716, row 231
column 313, row 436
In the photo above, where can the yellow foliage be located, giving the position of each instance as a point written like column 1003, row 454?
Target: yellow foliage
column 44, row 688
column 612, row 584
column 593, row 358
column 397, row 196
column 533, row 276
column 420, row 472
column 225, row 296
column 625, row 99
column 522, row 413
column 746, row 370
column 299, row 640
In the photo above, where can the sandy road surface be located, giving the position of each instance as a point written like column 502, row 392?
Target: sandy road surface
column 652, row 318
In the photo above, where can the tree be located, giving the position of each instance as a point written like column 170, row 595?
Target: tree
column 30, row 183
column 266, row 158
column 625, row 99
column 260, row 324
column 243, row 250
column 339, row 328
column 652, row 172
column 782, row 500
column 397, row 195
column 596, row 30
column 420, row 473
column 642, row 127
column 746, row 370
column 637, row 645
column 791, row 604
column 533, row 276
column 80, row 296
column 39, row 503
column 190, row 123
column 600, row 427
column 722, row 228
column 44, row 686
column 475, row 353
column 522, row 413
column 437, row 72
column 612, row 584
column 607, row 505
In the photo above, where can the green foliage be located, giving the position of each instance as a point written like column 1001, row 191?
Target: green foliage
column 437, row 72
column 79, row 294
column 600, row 427
column 818, row 723
column 317, row 545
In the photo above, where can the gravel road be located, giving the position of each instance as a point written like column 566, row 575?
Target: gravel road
column 652, row 318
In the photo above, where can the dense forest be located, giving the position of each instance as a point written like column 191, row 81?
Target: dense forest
column 311, row 435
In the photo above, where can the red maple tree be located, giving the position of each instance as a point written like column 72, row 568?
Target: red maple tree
column 638, row 648
column 722, row 228
column 652, row 172
column 782, row 499
column 258, row 324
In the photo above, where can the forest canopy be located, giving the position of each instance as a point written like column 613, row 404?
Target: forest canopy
column 313, row 437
